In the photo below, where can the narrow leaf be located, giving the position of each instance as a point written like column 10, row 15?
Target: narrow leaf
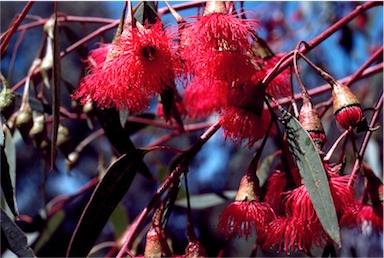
column 16, row 239
column 119, row 220
column 8, row 165
column 107, row 195
column 201, row 201
column 263, row 170
column 123, row 114
column 52, row 225
column 56, row 78
column 314, row 176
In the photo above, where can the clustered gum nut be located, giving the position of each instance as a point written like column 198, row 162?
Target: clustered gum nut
column 62, row 135
column 309, row 119
column 38, row 128
column 346, row 106
column 6, row 97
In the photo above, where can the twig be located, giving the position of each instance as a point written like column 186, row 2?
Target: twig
column 323, row 36
column 354, row 77
column 326, row 87
column 134, row 227
column 375, row 117
column 14, row 27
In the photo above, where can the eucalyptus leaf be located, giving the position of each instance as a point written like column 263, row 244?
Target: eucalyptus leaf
column 313, row 173
column 8, row 176
column 56, row 79
column 201, row 201
column 52, row 225
column 107, row 195
column 263, row 170
column 119, row 220
column 16, row 239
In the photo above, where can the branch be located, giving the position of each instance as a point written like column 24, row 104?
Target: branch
column 375, row 117
column 326, row 87
column 73, row 47
column 181, row 168
column 320, row 38
column 14, row 27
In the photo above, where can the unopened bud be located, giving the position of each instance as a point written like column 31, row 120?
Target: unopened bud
column 62, row 135
column 195, row 249
column 310, row 120
column 38, row 127
column 71, row 160
column 155, row 245
column 6, row 97
column 346, row 106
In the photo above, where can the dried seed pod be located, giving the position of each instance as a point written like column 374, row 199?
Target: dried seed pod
column 346, row 106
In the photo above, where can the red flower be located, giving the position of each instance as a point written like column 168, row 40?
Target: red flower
column 245, row 212
column 201, row 98
column 367, row 218
column 301, row 229
column 140, row 63
column 221, row 32
column 291, row 234
column 349, row 116
column 275, row 190
column 240, row 124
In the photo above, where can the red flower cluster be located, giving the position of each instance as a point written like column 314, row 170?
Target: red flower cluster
column 125, row 74
column 217, row 51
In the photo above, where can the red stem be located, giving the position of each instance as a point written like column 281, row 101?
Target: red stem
column 182, row 6
column 181, row 168
column 356, row 75
column 323, row 36
column 14, row 27
column 80, row 19
column 326, row 87
column 375, row 117
column 73, row 47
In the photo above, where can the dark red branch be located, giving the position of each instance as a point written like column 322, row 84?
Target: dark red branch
column 14, row 27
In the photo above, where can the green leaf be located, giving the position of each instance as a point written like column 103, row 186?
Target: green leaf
column 8, row 176
column 56, row 79
column 314, row 176
column 123, row 115
column 107, row 195
column 202, row 201
column 119, row 220
column 53, row 223
column 263, row 170
column 16, row 239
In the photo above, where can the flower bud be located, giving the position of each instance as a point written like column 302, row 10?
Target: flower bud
column 155, row 245
column 346, row 106
column 6, row 97
column 309, row 119
column 38, row 128
column 195, row 249
column 62, row 135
